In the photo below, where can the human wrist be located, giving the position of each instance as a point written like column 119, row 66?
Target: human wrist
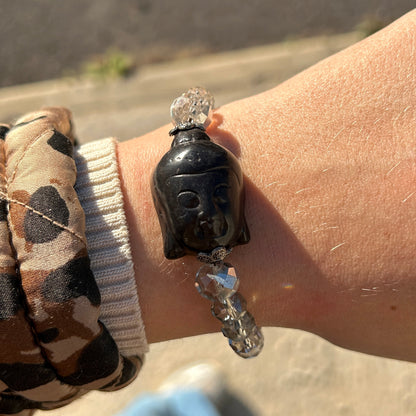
column 330, row 150
column 170, row 305
column 319, row 203
column 157, row 280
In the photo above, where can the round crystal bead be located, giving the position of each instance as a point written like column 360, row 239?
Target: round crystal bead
column 238, row 328
column 250, row 346
column 217, row 282
column 192, row 107
column 232, row 329
column 219, row 310
column 237, row 305
column 233, row 307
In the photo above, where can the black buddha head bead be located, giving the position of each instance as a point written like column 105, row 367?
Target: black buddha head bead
column 199, row 196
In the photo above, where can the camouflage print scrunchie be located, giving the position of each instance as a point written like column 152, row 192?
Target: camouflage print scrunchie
column 53, row 346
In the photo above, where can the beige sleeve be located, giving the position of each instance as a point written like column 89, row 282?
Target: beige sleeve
column 99, row 192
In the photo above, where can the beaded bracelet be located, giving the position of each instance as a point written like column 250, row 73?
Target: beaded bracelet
column 199, row 198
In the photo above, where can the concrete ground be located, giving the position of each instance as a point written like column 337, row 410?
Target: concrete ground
column 297, row 374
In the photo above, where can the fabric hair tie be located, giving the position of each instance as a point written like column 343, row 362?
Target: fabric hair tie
column 57, row 349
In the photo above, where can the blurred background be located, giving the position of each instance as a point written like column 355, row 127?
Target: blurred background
column 117, row 65
column 43, row 39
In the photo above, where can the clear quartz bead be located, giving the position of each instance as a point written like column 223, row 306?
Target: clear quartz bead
column 219, row 310
column 217, row 281
column 232, row 329
column 232, row 307
column 238, row 328
column 237, row 305
column 250, row 346
column 192, row 107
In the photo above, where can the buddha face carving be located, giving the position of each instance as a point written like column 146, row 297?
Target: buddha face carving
column 199, row 197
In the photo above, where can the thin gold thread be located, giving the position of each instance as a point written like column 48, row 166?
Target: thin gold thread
column 64, row 227
column 28, row 147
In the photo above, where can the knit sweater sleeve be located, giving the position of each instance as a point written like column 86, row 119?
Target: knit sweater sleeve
column 99, row 192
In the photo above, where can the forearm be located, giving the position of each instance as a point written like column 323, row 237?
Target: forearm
column 330, row 175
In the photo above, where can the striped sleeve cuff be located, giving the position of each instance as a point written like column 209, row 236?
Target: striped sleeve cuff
column 99, row 192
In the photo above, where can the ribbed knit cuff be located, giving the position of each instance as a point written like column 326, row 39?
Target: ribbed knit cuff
column 99, row 192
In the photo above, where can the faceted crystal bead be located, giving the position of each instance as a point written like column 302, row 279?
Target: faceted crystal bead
column 194, row 106
column 219, row 310
column 237, row 305
column 180, row 110
column 250, row 346
column 232, row 329
column 238, row 328
column 232, row 307
column 217, row 281
column 201, row 94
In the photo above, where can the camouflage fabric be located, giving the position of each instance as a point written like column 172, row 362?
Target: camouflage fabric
column 54, row 348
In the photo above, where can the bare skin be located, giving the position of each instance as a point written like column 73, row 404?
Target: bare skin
column 329, row 158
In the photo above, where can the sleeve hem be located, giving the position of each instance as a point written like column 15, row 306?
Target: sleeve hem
column 99, row 192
